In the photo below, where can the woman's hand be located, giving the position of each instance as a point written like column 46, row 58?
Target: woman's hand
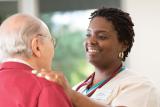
column 57, row 77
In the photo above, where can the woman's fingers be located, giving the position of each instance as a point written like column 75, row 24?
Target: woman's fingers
column 34, row 71
column 54, row 76
column 57, row 77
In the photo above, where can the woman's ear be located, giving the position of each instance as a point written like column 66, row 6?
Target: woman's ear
column 124, row 48
column 35, row 46
column 125, row 45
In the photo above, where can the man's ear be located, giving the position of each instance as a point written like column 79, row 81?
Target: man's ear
column 35, row 46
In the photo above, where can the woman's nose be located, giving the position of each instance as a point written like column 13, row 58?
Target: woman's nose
column 91, row 40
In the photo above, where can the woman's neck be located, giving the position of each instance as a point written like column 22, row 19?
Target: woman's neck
column 102, row 74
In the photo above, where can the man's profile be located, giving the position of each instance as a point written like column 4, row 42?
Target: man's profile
column 25, row 45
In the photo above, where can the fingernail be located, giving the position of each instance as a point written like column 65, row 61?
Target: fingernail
column 47, row 77
column 39, row 75
column 34, row 71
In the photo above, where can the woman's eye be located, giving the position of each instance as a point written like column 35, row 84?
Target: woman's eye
column 102, row 37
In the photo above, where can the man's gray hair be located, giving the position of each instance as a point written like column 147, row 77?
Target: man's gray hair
column 16, row 33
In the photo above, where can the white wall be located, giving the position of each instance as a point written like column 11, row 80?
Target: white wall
column 145, row 55
column 28, row 6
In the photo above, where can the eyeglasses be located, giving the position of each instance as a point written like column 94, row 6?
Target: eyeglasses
column 53, row 40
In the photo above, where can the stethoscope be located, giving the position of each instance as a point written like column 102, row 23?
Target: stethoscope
column 89, row 81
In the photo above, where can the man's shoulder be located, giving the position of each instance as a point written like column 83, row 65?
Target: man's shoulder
column 39, row 81
column 25, row 76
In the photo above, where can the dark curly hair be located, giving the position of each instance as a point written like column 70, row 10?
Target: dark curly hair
column 122, row 23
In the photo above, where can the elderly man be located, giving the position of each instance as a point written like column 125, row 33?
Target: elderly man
column 26, row 45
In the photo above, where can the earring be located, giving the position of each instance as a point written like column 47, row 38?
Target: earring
column 121, row 55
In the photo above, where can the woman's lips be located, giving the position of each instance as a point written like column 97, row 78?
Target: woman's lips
column 92, row 50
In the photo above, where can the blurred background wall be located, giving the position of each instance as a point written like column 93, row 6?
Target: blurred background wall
column 145, row 55
column 68, row 20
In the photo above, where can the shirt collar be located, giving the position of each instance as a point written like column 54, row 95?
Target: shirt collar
column 17, row 60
